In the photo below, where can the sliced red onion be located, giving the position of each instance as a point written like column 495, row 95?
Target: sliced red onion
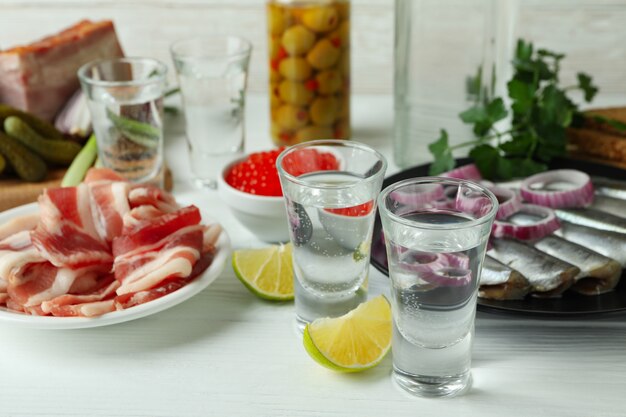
column 546, row 224
column 442, row 269
column 448, row 277
column 472, row 202
column 510, row 201
column 418, row 195
column 465, row 172
column 421, row 262
column 579, row 195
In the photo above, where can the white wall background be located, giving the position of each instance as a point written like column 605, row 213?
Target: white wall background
column 591, row 32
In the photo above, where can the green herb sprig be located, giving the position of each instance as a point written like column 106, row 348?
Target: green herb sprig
column 540, row 114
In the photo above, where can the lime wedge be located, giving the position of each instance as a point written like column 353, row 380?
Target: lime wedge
column 267, row 272
column 354, row 342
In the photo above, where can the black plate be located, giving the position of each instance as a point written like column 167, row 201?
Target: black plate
column 570, row 304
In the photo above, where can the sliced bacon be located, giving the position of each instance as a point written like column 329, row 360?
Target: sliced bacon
column 156, row 230
column 89, row 309
column 144, row 194
column 172, row 257
column 102, row 174
column 109, row 206
column 18, row 224
column 70, row 247
column 135, row 298
column 15, row 252
column 57, row 305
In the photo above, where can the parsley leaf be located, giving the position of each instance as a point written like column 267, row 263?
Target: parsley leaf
column 444, row 161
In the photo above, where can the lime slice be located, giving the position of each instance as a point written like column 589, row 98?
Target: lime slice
column 267, row 272
column 354, row 342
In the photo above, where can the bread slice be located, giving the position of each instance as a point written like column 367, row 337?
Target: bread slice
column 599, row 139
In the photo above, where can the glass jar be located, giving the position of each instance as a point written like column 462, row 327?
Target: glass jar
column 309, row 67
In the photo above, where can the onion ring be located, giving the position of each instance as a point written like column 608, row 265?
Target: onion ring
column 546, row 225
column 510, row 201
column 465, row 172
column 472, row 202
column 580, row 195
column 442, row 269
column 418, row 194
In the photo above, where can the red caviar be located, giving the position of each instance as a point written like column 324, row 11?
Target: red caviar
column 257, row 174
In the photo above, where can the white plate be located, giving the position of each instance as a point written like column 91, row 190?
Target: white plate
column 142, row 310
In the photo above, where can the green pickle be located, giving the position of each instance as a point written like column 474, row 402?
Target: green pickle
column 309, row 67
column 41, row 126
column 28, row 165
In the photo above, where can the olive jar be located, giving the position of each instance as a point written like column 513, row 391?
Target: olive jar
column 309, row 67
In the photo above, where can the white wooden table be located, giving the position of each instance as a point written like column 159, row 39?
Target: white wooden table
column 226, row 353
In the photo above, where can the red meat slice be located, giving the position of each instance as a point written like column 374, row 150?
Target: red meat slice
column 41, row 77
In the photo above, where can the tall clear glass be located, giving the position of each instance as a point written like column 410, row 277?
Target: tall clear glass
column 445, row 61
column 125, row 99
column 436, row 232
column 330, row 189
column 212, row 74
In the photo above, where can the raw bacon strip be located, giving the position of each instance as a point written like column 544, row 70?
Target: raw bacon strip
column 109, row 206
column 15, row 252
column 135, row 298
column 90, row 309
column 57, row 305
column 156, row 230
column 37, row 282
column 18, row 224
column 175, row 258
column 102, row 174
column 139, row 217
column 67, row 205
column 150, row 195
column 70, row 247
column 41, row 77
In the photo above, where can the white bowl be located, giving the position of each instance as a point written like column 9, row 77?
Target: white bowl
column 264, row 216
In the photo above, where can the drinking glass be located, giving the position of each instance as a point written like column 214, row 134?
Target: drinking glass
column 212, row 74
column 436, row 232
column 330, row 189
column 125, row 99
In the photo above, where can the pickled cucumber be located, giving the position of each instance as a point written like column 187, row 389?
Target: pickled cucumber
column 28, row 165
column 42, row 127
column 60, row 152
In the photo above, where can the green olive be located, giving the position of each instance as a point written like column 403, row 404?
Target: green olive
column 329, row 81
column 296, row 69
column 297, row 40
column 341, row 36
column 276, row 20
column 324, row 111
column 291, row 117
column 323, row 55
column 294, row 92
column 313, row 132
column 320, row 18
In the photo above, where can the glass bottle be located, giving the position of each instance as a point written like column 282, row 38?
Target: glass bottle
column 444, row 61
column 309, row 67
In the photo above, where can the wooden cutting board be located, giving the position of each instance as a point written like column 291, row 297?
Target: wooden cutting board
column 14, row 192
